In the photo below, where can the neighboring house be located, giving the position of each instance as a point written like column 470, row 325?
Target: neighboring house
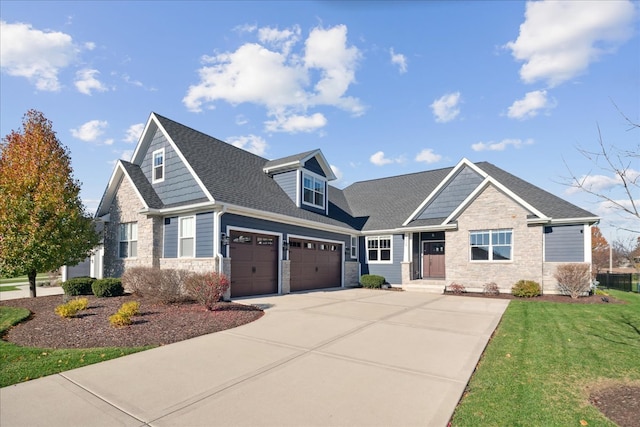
column 187, row 200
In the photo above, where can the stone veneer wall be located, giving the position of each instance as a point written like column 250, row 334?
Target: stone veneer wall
column 492, row 210
column 351, row 273
column 125, row 208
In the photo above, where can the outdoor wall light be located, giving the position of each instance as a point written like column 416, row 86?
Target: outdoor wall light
column 285, row 245
column 224, row 239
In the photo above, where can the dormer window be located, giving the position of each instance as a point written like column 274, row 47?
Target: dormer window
column 313, row 190
column 158, row 166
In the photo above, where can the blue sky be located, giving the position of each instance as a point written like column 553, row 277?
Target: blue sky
column 382, row 88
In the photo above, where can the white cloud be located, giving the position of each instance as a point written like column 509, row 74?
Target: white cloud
column 36, row 55
column 446, row 107
column 86, row 81
column 296, row 123
column 337, row 172
column 90, row 131
column 124, row 155
column 133, row 133
column 89, row 45
column 379, row 159
column 603, row 183
column 500, row 146
column 428, row 156
column 252, row 143
column 400, row 60
column 530, row 105
column 241, row 120
column 559, row 39
column 286, row 83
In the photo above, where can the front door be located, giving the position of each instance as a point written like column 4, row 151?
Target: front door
column 433, row 260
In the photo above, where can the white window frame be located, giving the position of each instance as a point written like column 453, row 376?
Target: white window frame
column 161, row 166
column 130, row 239
column 181, row 237
column 354, row 247
column 315, row 179
column 491, row 244
column 379, row 248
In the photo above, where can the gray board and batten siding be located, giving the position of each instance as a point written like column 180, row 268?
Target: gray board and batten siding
column 204, row 236
column 269, row 227
column 178, row 186
column 454, row 193
column 391, row 272
column 564, row 243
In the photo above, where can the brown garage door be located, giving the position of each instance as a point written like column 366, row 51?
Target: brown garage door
column 314, row 264
column 254, row 264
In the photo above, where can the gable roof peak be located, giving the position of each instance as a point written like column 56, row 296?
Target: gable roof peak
column 297, row 161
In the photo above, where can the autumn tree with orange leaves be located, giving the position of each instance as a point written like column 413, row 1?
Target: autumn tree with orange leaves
column 43, row 223
column 599, row 250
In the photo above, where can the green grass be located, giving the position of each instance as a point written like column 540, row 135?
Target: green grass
column 22, row 279
column 18, row 364
column 544, row 357
column 4, row 288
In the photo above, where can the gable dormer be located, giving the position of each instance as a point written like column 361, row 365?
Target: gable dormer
column 304, row 178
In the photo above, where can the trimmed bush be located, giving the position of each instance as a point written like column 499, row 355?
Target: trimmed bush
column 491, row 288
column 78, row 286
column 526, row 289
column 456, row 288
column 119, row 320
column 124, row 314
column 573, row 279
column 107, row 287
column 206, row 288
column 372, row 281
column 71, row 308
column 162, row 286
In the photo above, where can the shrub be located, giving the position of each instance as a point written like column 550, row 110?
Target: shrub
column 206, row 288
column 162, row 286
column 526, row 289
column 119, row 319
column 78, row 286
column 491, row 289
column 131, row 308
column 456, row 288
column 372, row 281
column 573, row 279
column 71, row 308
column 124, row 314
column 107, row 287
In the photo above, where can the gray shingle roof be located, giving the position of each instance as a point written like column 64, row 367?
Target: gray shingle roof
column 146, row 190
column 237, row 177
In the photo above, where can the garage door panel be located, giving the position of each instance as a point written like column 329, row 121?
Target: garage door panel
column 254, row 264
column 314, row 265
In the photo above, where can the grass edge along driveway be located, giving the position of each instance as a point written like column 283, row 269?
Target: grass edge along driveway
column 18, row 364
column 544, row 359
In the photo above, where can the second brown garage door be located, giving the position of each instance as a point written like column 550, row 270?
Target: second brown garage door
column 254, row 264
column 314, row 264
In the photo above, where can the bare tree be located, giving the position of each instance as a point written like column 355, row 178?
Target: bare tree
column 618, row 162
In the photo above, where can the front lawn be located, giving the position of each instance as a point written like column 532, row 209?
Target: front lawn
column 544, row 360
column 18, row 364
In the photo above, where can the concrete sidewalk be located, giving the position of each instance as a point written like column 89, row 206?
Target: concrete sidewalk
column 347, row 357
column 23, row 292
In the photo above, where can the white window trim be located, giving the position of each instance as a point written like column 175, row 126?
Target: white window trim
column 368, row 238
column 353, row 248
column 129, row 240
column 153, row 166
column 180, row 236
column 315, row 177
column 491, row 260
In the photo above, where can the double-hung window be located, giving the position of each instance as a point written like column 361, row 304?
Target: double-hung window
column 128, row 247
column 491, row 245
column 313, row 190
column 379, row 249
column 187, row 237
column 354, row 247
column 158, row 165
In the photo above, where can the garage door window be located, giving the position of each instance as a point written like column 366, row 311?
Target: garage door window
column 379, row 249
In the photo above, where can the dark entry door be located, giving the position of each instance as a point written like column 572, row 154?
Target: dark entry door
column 254, row 264
column 433, row 260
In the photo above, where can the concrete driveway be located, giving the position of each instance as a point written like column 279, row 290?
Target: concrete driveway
column 351, row 357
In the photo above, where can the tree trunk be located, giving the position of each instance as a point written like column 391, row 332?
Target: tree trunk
column 32, row 283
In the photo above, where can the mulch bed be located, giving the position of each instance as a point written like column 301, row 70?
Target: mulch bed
column 591, row 299
column 621, row 404
column 157, row 324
